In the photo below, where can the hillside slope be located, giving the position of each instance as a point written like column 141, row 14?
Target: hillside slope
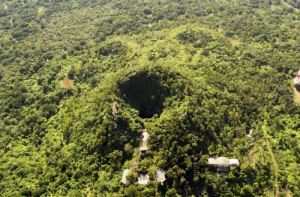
column 81, row 80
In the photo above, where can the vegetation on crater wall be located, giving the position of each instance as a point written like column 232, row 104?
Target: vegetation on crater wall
column 213, row 70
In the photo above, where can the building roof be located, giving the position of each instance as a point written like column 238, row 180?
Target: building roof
column 143, row 179
column 160, row 175
column 222, row 161
column 233, row 162
column 218, row 161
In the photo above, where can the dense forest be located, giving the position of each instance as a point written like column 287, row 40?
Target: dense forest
column 80, row 80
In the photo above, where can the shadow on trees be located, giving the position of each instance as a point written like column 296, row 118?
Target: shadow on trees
column 146, row 92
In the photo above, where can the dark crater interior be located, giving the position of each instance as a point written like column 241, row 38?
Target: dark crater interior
column 146, row 91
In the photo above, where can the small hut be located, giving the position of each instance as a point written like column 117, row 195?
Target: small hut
column 143, row 179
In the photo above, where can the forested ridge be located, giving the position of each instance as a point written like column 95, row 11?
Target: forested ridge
column 80, row 80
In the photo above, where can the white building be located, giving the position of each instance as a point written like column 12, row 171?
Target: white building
column 219, row 161
column 160, row 176
column 234, row 162
column 222, row 163
column 143, row 179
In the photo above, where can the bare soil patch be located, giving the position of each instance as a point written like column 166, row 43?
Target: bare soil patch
column 67, row 83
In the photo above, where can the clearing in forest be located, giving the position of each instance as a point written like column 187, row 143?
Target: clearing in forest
column 67, row 83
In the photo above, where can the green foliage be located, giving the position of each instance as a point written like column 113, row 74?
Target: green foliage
column 198, row 39
column 114, row 48
column 197, row 75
